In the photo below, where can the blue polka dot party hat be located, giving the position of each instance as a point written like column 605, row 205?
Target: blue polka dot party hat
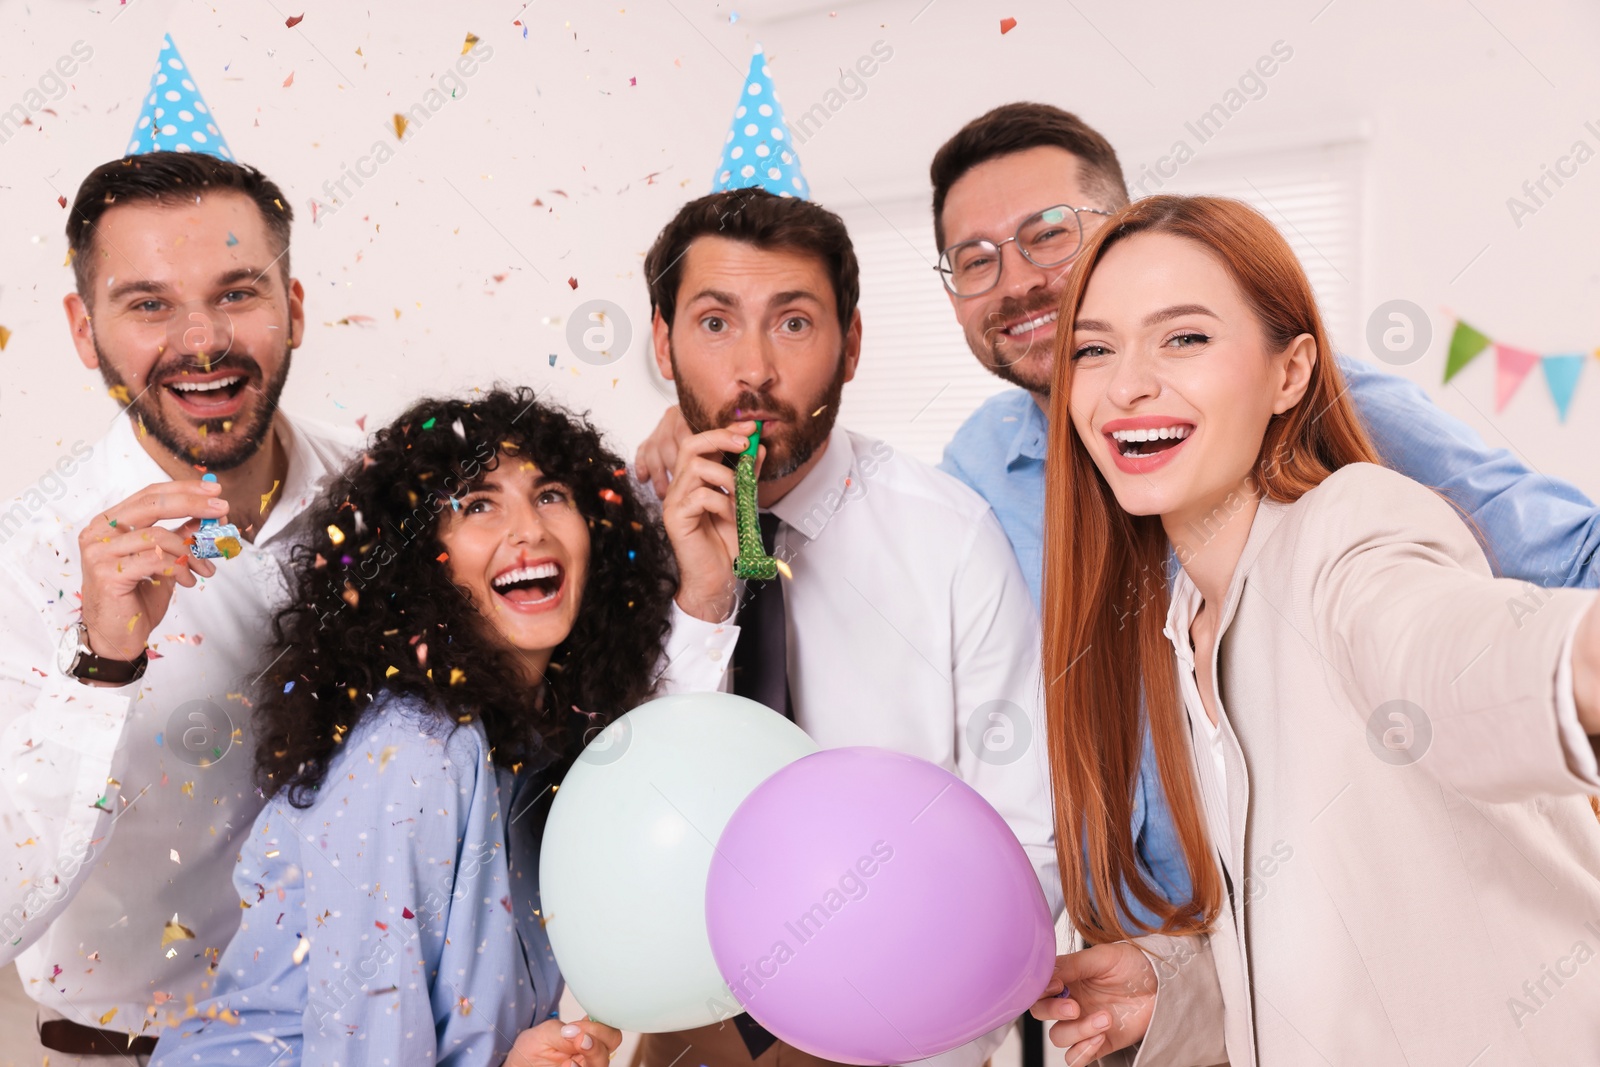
column 174, row 118
column 759, row 151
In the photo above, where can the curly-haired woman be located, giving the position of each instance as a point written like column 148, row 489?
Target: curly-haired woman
column 481, row 590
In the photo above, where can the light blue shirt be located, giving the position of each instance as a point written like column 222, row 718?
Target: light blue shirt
column 380, row 925
column 1538, row 529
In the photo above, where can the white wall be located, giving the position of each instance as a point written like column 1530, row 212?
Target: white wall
column 1455, row 104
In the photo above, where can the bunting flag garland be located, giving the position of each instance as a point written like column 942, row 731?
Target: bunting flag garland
column 1511, row 366
column 1466, row 344
column 1514, row 364
column 1561, row 375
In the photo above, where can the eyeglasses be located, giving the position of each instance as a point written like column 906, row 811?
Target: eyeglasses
column 1048, row 238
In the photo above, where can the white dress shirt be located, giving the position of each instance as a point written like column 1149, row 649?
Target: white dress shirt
column 910, row 627
column 110, row 825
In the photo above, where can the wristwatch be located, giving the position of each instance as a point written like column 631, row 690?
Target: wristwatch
column 77, row 661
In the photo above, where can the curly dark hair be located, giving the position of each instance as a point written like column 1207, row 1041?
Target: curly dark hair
column 373, row 607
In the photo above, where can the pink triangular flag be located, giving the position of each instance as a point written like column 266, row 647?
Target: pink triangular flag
column 1512, row 365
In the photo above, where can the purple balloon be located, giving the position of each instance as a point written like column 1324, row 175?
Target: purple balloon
column 869, row 907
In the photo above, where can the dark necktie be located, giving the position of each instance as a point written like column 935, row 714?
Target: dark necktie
column 761, row 672
column 761, row 657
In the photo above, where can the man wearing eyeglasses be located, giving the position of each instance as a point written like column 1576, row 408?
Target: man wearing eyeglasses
column 1015, row 193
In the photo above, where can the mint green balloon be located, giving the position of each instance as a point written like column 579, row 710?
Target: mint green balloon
column 627, row 852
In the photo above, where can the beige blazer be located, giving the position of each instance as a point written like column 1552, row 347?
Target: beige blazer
column 1435, row 903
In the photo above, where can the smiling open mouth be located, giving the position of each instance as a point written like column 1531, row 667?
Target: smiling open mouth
column 1032, row 324
column 197, row 396
column 530, row 586
column 1137, row 444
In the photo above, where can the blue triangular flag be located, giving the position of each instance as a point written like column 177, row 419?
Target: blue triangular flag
column 174, row 117
column 759, row 151
column 1561, row 375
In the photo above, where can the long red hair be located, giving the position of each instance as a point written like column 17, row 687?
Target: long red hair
column 1105, row 581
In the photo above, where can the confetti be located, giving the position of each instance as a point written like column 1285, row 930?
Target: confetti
column 174, row 855
column 610, row 496
column 387, row 754
column 293, row 20
column 175, row 931
column 62, row 201
column 1007, row 25
column 572, row 282
column 266, row 498
column 336, row 535
column 429, row 424
column 407, row 913
column 466, row 46
column 108, row 1016
column 302, row 950
column 390, row 671
column 552, row 355
column 399, row 126
column 457, row 676
column 442, row 557
column 232, row 240
column 289, row 80
column 5, row 338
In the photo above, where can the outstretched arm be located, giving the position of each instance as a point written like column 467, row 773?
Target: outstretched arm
column 1540, row 529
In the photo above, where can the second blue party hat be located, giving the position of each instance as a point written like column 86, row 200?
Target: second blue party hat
column 759, row 151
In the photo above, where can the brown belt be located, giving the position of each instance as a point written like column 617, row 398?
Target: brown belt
column 64, row 1035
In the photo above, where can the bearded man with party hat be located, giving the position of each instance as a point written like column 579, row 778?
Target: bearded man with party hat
column 129, row 631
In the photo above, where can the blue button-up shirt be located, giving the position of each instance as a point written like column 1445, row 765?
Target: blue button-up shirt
column 1538, row 529
column 381, row 924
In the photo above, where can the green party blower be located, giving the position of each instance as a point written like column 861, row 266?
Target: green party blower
column 752, row 561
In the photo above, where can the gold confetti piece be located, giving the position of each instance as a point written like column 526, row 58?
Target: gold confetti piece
column 133, row 620
column 391, row 671
column 119, row 393
column 175, row 931
column 819, row 411
column 5, row 338
column 471, row 40
column 399, row 128
column 385, row 756
column 266, row 498
column 335, row 535
column 228, row 547
column 301, row 951
column 273, row 854
column 783, row 569
column 462, row 1003
column 457, row 676
column 108, row 1016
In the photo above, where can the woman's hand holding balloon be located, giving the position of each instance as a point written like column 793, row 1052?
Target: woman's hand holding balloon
column 1111, row 996
column 553, row 1043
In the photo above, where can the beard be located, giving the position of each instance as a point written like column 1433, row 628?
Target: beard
column 1018, row 368
column 790, row 444
column 219, row 448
